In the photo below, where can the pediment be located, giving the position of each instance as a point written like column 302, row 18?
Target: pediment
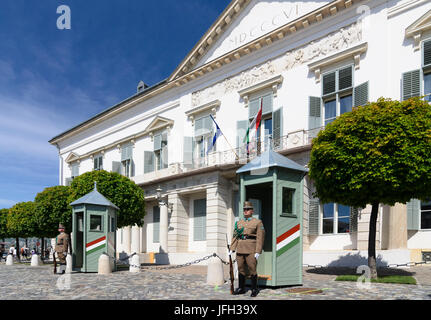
column 72, row 157
column 420, row 25
column 256, row 20
column 249, row 25
column 158, row 123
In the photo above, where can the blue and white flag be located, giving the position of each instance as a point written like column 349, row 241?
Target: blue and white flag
column 216, row 136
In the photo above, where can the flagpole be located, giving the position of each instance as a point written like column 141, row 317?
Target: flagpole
column 225, row 137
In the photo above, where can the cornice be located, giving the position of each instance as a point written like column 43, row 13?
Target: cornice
column 354, row 52
column 416, row 29
column 213, row 105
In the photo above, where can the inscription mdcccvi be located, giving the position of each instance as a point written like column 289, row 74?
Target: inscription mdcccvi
column 265, row 26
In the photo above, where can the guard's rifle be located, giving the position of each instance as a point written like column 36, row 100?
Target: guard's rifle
column 230, row 268
column 55, row 262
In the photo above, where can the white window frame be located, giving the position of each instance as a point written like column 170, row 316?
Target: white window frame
column 97, row 158
column 335, row 222
column 337, row 95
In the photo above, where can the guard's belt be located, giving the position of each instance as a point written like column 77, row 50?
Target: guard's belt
column 248, row 237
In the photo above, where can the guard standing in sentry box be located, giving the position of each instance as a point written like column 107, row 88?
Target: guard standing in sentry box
column 61, row 247
column 248, row 238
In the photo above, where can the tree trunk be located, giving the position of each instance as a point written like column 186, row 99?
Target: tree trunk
column 17, row 248
column 42, row 251
column 372, row 241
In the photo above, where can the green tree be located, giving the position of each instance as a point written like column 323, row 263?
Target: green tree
column 3, row 220
column 121, row 191
column 377, row 154
column 21, row 222
column 52, row 208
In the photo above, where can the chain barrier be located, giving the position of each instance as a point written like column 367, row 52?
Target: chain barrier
column 174, row 266
column 394, row 265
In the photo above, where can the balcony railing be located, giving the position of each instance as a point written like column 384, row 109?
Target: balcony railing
column 242, row 155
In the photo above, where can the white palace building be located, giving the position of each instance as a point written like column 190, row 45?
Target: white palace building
column 307, row 62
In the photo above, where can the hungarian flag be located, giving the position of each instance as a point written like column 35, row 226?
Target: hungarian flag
column 255, row 124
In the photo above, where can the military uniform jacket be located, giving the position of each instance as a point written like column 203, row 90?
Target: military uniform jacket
column 250, row 240
column 62, row 243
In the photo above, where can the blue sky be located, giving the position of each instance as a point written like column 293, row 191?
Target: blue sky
column 52, row 80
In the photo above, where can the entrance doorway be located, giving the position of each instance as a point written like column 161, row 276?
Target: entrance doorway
column 261, row 197
column 79, row 247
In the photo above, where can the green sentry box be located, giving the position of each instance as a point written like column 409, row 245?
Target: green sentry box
column 274, row 184
column 94, row 224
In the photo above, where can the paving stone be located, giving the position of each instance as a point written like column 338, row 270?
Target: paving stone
column 22, row 282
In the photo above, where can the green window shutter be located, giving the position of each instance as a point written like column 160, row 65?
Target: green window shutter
column 329, row 83
column 156, row 224
column 241, row 129
column 253, row 108
column 164, row 155
column 157, row 142
column 267, row 104
column 126, row 152
column 411, row 84
column 315, row 113
column 148, row 161
column 277, row 118
column 199, row 219
column 313, row 217
column 188, row 151
column 116, row 167
column 345, row 78
column 413, row 214
column 203, row 126
column 75, row 170
column 354, row 219
column 361, row 95
column 68, row 182
column 426, row 49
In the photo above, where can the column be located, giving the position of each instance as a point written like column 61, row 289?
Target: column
column 127, row 240
column 217, row 199
column 179, row 223
column 163, row 227
column 136, row 239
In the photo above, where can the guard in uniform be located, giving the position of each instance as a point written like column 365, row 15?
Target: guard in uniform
column 61, row 247
column 248, row 238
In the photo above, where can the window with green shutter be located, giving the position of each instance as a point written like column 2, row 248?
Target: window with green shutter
column 98, row 163
column 411, row 84
column 254, row 104
column 148, row 161
column 160, row 151
column 74, row 170
column 199, row 219
column 188, row 147
column 361, row 94
column 127, row 160
column 337, row 98
column 313, row 216
column 116, row 167
column 277, row 130
column 156, row 224
column 426, row 56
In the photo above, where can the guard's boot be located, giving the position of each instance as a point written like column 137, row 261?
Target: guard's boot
column 254, row 290
column 241, row 289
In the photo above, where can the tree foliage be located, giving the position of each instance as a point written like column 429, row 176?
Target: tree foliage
column 377, row 153
column 120, row 190
column 3, row 221
column 21, row 222
column 52, row 208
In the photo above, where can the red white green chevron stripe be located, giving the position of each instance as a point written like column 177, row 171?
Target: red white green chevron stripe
column 95, row 245
column 288, row 240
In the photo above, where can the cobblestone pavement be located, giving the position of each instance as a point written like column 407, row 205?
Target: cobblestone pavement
column 22, row 282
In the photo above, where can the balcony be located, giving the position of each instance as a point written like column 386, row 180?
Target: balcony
column 296, row 140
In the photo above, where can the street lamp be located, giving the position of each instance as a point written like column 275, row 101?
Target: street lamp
column 160, row 199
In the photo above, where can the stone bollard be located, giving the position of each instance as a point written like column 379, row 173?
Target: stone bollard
column 69, row 263
column 9, row 260
column 35, row 260
column 135, row 264
column 215, row 275
column 104, row 266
